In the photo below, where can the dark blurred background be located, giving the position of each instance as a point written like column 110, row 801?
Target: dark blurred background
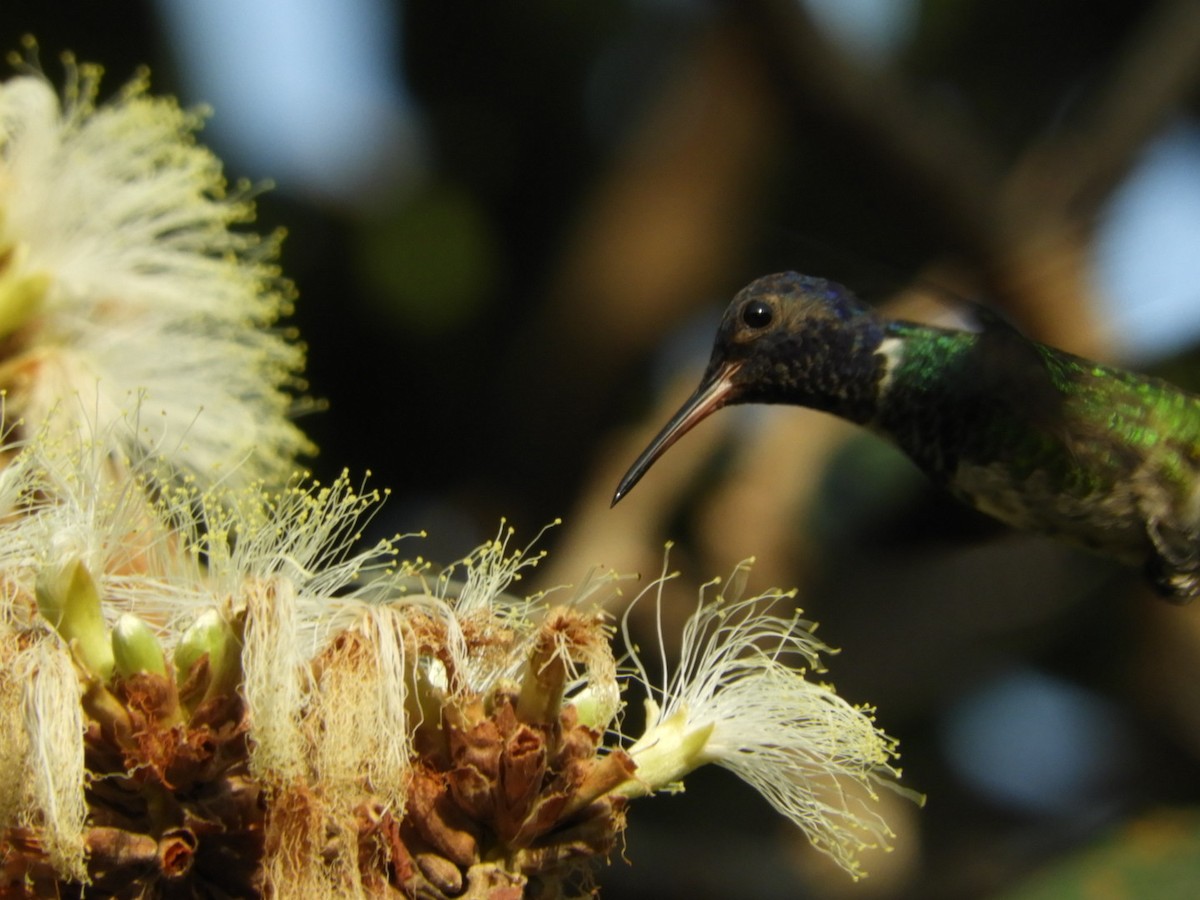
column 513, row 227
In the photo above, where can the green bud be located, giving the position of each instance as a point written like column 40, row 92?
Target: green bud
column 596, row 709
column 69, row 598
column 136, row 648
column 209, row 635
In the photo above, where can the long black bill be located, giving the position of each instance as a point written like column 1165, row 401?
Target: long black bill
column 713, row 393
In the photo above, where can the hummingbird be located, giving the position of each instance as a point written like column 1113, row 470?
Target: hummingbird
column 1033, row 436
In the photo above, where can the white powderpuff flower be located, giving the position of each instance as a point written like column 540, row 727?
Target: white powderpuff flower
column 359, row 705
column 77, row 502
column 127, row 289
column 22, row 481
column 477, row 597
column 739, row 698
column 43, row 749
column 170, row 553
column 277, row 682
column 287, row 561
column 307, row 534
column 268, row 584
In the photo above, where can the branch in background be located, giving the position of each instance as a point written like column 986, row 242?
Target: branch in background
column 1155, row 76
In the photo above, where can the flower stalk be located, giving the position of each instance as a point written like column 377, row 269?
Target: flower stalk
column 666, row 753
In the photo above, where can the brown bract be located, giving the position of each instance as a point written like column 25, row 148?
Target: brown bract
column 518, row 798
column 172, row 809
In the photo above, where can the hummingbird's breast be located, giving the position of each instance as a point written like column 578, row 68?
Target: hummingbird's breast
column 1110, row 520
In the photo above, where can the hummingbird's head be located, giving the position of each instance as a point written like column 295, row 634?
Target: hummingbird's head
column 791, row 338
column 785, row 338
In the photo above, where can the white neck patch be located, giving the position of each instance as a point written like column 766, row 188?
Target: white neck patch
column 892, row 351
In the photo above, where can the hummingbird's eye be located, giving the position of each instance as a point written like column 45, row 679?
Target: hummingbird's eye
column 757, row 314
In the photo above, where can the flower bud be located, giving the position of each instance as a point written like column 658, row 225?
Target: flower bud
column 69, row 598
column 596, row 706
column 136, row 648
column 209, row 635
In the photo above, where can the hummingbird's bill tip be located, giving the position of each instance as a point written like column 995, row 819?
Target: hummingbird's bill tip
column 713, row 393
column 625, row 486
